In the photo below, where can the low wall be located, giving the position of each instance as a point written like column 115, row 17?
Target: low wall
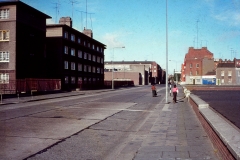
column 224, row 136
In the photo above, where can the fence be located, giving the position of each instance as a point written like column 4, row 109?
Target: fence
column 29, row 84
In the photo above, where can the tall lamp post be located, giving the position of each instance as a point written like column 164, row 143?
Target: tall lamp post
column 166, row 51
column 112, row 66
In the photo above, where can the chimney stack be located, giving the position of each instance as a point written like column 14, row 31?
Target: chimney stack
column 66, row 20
column 88, row 32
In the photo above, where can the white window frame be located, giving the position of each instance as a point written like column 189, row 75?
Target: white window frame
column 4, row 13
column 93, row 46
column 4, row 35
column 190, row 73
column 222, row 73
column 4, row 56
column 229, row 73
column 65, row 64
column 4, row 78
column 197, row 65
column 73, row 66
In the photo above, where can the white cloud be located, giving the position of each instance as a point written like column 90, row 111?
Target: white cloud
column 229, row 17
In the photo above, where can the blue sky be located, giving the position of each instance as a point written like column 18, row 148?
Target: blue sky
column 140, row 26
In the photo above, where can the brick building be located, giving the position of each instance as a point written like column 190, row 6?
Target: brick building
column 197, row 63
column 22, row 42
column 74, row 57
column 148, row 71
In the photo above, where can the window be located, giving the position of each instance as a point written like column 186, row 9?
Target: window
column 97, row 48
column 102, row 60
column 4, row 13
column 196, row 73
column 229, row 73
column 198, row 80
column 79, row 67
column 4, row 56
column 89, row 57
column 197, row 65
column 94, row 58
column 94, row 69
column 89, row 69
column 4, row 78
column 73, row 79
column 222, row 73
column 4, row 35
column 98, row 59
column 66, row 79
column 85, row 68
column 84, row 43
column 98, row 70
column 154, row 70
column 65, row 49
column 223, row 80
column 190, row 73
column 72, row 51
column 72, row 66
column 89, row 45
column 79, row 40
column 93, row 47
column 238, row 73
column 72, row 37
column 66, row 34
column 65, row 64
column 230, row 80
column 80, row 80
column 79, row 54
column 85, row 55
column 190, row 65
column 101, row 71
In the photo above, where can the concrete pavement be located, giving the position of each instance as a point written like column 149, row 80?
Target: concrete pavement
column 172, row 131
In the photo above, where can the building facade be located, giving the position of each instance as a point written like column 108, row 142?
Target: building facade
column 228, row 72
column 149, row 71
column 74, row 57
column 22, row 42
column 197, row 63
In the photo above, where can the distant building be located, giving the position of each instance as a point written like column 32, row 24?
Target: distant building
column 228, row 72
column 74, row 57
column 197, row 63
column 149, row 72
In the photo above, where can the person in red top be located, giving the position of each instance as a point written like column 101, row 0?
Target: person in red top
column 175, row 91
column 154, row 93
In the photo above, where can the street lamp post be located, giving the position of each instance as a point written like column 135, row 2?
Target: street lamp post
column 166, row 51
column 175, row 70
column 112, row 66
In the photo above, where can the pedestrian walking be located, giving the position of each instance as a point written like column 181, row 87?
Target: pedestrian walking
column 154, row 93
column 175, row 91
column 170, row 88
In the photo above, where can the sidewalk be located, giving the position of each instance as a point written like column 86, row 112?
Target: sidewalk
column 176, row 134
column 49, row 96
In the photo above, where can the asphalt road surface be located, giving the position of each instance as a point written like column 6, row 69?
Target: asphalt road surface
column 122, row 124
column 225, row 102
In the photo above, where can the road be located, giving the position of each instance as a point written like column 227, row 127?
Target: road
column 109, row 125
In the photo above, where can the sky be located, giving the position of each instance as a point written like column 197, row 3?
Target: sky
column 151, row 30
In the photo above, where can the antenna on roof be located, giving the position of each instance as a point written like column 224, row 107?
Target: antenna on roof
column 57, row 10
column 197, row 33
column 73, row 1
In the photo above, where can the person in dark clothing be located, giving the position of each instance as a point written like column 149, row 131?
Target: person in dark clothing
column 154, row 93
